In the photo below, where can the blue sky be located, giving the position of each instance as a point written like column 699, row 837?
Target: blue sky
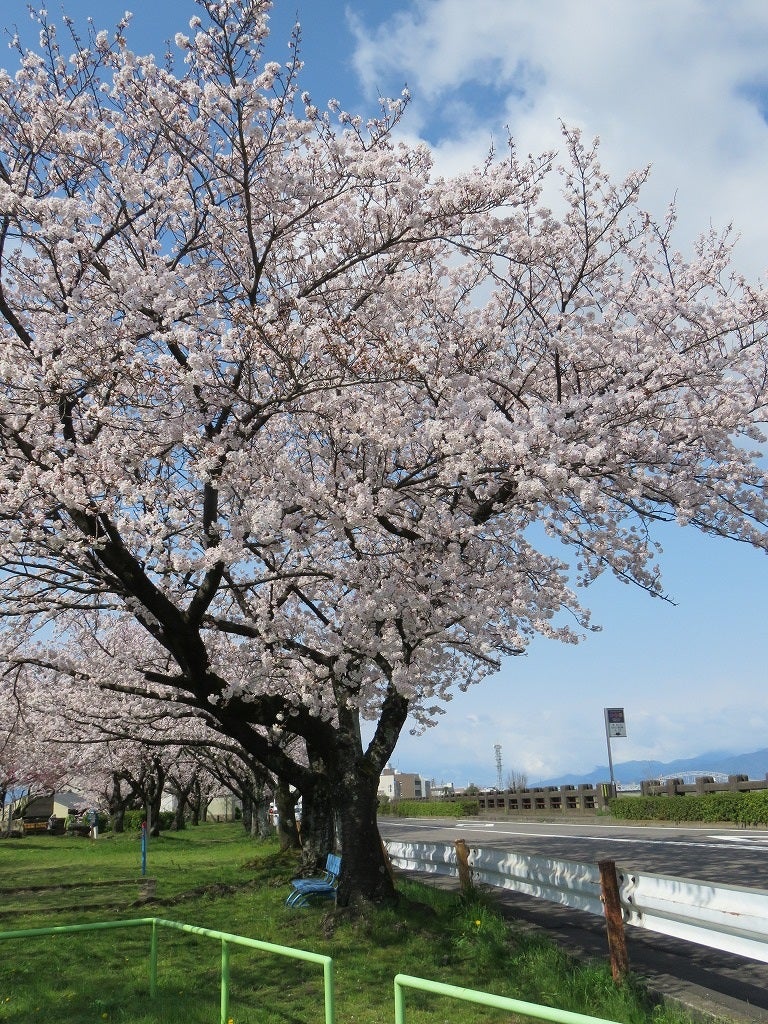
column 682, row 86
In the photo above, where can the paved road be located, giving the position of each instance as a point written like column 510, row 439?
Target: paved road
column 717, row 854
column 706, row 980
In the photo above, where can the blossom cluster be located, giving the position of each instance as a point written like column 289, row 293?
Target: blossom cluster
column 289, row 423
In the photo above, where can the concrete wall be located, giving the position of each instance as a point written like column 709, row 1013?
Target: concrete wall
column 588, row 797
column 550, row 799
column 705, row 784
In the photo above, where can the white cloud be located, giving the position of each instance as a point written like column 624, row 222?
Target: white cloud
column 682, row 86
column 678, row 85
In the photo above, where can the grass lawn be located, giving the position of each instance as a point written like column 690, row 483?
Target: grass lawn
column 215, row 877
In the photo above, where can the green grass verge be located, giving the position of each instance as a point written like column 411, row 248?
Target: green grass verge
column 215, row 877
column 465, row 808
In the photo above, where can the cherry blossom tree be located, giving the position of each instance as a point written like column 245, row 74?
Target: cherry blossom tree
column 294, row 430
column 28, row 767
column 123, row 751
column 20, row 769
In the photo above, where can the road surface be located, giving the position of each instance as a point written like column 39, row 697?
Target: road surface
column 730, row 856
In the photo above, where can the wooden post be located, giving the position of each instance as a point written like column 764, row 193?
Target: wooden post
column 614, row 920
column 462, row 859
column 388, row 862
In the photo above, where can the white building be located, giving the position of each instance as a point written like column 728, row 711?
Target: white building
column 402, row 785
column 442, row 790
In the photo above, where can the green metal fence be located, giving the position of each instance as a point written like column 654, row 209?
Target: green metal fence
column 225, row 938
column 468, row 995
column 402, row 981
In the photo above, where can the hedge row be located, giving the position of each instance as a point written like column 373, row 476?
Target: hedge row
column 742, row 808
column 429, row 808
column 133, row 820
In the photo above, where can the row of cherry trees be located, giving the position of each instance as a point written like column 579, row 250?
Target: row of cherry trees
column 121, row 756
column 295, row 432
column 26, row 766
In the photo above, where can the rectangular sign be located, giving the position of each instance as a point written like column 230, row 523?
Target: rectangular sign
column 614, row 722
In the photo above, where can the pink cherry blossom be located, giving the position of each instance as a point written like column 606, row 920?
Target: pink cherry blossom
column 294, row 431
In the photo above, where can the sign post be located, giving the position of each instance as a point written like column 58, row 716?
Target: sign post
column 615, row 725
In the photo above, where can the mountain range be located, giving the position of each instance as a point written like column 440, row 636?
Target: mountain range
column 754, row 765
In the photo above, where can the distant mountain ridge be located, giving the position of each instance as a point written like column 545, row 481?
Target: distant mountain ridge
column 754, row 765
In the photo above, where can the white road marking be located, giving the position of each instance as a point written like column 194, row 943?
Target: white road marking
column 753, row 842
column 758, row 842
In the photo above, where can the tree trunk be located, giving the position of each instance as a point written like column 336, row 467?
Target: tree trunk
column 318, row 822
column 287, row 832
column 153, row 795
column 118, row 802
column 353, row 776
column 198, row 802
column 248, row 814
column 364, row 873
column 179, row 821
column 263, row 823
column 6, row 810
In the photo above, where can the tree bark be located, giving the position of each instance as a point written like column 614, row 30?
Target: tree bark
column 179, row 822
column 354, row 776
column 263, row 823
column 318, row 823
column 287, row 832
column 153, row 795
column 364, row 874
column 248, row 814
column 118, row 803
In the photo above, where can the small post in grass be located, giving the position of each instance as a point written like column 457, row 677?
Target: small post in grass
column 388, row 862
column 614, row 920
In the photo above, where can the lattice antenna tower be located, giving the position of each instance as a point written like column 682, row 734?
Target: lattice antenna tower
column 497, row 751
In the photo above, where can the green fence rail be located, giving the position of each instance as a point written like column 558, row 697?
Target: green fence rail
column 225, row 938
column 468, row 995
column 402, row 981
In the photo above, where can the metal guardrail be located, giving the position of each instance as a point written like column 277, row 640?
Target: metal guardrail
column 559, row 881
column 724, row 917
column 432, row 858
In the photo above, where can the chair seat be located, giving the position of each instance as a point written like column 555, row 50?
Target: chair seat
column 323, row 886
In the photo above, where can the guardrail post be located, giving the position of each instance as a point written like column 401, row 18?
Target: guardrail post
column 328, row 988
column 462, row 860
column 399, row 1002
column 614, row 921
column 153, row 961
column 224, row 981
